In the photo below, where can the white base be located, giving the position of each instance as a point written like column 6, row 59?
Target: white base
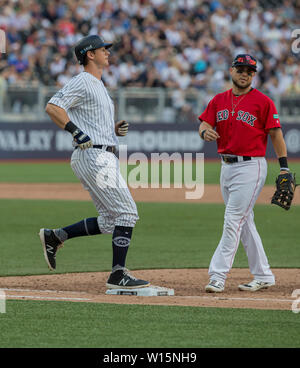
column 146, row 291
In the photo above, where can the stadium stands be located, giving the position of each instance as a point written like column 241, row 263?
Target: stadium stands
column 184, row 46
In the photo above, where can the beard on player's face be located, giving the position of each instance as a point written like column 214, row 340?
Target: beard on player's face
column 239, row 85
column 242, row 76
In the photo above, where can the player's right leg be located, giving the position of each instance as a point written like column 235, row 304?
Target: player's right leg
column 257, row 259
column 244, row 182
column 100, row 175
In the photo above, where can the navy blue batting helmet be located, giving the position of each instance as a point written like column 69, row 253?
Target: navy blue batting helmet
column 89, row 43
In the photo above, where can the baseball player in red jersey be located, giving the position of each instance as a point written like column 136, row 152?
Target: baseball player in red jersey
column 240, row 120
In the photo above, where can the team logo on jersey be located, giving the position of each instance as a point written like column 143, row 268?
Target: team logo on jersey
column 242, row 115
column 59, row 94
column 246, row 117
column 222, row 115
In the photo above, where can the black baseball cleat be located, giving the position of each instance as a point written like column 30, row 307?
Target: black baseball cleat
column 121, row 279
column 50, row 244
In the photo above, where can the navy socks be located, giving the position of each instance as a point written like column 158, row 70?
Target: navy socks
column 88, row 226
column 120, row 240
column 120, row 244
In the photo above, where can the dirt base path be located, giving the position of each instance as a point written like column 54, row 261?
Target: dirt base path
column 74, row 191
column 188, row 284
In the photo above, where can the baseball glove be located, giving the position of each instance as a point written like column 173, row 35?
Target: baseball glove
column 285, row 189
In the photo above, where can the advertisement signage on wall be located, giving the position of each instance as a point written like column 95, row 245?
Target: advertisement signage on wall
column 47, row 141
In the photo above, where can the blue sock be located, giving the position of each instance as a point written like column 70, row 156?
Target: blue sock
column 88, row 226
column 120, row 244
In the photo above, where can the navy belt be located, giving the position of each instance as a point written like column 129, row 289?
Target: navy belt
column 231, row 160
column 100, row 146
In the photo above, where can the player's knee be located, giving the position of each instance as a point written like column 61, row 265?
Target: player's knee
column 234, row 221
column 127, row 219
column 106, row 225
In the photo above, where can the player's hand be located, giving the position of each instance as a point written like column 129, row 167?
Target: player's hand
column 82, row 139
column 210, row 135
column 121, row 128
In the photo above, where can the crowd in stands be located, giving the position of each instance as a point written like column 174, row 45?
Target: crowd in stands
column 178, row 44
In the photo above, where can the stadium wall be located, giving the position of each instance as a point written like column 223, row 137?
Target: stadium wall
column 46, row 141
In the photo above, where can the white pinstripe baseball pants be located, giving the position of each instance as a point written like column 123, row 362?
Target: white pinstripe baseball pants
column 241, row 184
column 99, row 173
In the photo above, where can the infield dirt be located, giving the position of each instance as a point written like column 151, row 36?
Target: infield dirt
column 188, row 283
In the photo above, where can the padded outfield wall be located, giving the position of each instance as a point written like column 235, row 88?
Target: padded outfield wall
column 46, row 141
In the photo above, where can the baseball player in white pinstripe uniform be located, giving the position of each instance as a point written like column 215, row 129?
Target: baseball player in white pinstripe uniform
column 84, row 108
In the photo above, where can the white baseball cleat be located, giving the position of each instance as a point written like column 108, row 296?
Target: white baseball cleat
column 214, row 286
column 255, row 285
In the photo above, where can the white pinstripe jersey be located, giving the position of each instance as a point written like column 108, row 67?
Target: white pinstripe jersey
column 89, row 107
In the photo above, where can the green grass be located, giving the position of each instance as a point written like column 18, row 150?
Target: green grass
column 49, row 172
column 29, row 324
column 61, row 172
column 168, row 235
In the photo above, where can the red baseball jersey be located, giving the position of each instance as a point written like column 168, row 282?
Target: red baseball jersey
column 243, row 122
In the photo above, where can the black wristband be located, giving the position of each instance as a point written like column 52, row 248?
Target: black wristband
column 283, row 162
column 70, row 127
column 202, row 133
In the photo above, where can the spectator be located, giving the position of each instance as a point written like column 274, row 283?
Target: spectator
column 57, row 66
column 180, row 44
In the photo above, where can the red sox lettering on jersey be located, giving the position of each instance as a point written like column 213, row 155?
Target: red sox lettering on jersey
column 244, row 116
column 243, row 122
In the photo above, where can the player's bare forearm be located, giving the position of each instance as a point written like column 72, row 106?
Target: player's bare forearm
column 278, row 142
column 207, row 133
column 57, row 115
column 61, row 119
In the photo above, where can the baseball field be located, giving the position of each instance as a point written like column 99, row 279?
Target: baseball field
column 172, row 246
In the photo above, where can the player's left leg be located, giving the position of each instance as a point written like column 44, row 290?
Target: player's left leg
column 244, row 182
column 257, row 259
column 53, row 239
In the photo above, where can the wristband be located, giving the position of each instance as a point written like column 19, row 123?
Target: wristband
column 284, row 169
column 70, row 127
column 283, row 163
column 202, row 134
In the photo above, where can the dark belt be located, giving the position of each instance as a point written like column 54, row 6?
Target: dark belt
column 100, row 146
column 231, row 160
